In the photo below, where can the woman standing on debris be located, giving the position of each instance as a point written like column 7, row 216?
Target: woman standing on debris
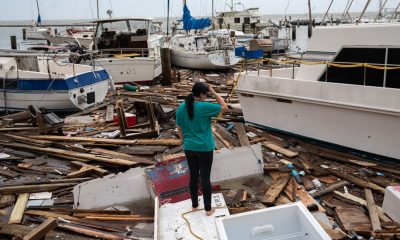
column 193, row 118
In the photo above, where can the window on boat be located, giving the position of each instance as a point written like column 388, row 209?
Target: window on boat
column 247, row 20
column 237, row 20
column 365, row 75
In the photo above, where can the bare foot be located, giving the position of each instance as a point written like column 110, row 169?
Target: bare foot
column 195, row 208
column 209, row 213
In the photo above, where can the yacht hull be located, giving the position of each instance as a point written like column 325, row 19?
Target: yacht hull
column 307, row 108
column 203, row 60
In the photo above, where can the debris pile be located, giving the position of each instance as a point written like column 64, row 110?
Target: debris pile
column 43, row 156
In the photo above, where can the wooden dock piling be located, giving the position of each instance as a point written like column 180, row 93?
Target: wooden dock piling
column 166, row 67
column 24, row 33
column 13, row 40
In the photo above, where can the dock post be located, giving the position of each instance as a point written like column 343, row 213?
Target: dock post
column 24, row 33
column 243, row 27
column 309, row 30
column 13, row 40
column 166, row 67
column 55, row 31
column 293, row 32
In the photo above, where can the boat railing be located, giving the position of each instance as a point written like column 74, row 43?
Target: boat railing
column 127, row 52
column 377, row 66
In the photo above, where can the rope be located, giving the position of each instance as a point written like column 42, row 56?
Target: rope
column 188, row 223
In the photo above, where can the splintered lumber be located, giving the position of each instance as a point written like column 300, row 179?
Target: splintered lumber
column 353, row 219
column 6, row 200
column 67, row 154
column 92, row 109
column 279, row 149
column 110, row 113
column 372, row 211
column 241, row 133
column 33, row 188
column 282, row 199
column 90, row 232
column 19, row 208
column 40, row 231
column 166, row 142
column 335, row 234
column 120, row 218
column 85, row 170
column 122, row 156
column 225, row 134
column 15, row 129
column 226, row 143
column 329, row 188
column 46, row 214
column 272, row 194
column 357, row 181
column 38, row 143
column 348, row 196
column 294, row 190
column 96, row 168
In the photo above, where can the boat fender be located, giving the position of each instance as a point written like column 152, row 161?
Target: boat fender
column 262, row 230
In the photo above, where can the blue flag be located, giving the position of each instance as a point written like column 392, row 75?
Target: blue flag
column 190, row 22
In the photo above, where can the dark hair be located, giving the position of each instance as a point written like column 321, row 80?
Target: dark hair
column 198, row 88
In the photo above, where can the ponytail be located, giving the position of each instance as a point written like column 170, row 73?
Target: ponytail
column 190, row 105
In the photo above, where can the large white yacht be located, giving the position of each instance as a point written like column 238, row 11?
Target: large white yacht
column 351, row 98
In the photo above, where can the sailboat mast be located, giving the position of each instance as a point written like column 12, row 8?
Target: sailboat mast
column 37, row 5
column 98, row 11
column 232, row 6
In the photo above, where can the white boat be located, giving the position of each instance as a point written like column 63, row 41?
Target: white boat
column 245, row 20
column 37, row 33
column 29, row 79
column 202, row 52
column 356, row 107
column 84, row 38
column 128, row 48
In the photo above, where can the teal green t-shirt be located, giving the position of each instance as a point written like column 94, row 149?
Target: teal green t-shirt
column 197, row 133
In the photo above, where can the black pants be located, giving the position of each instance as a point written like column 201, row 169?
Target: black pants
column 200, row 162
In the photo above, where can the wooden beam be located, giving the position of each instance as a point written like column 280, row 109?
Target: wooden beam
column 19, row 208
column 38, row 143
column 226, row 135
column 280, row 150
column 166, row 142
column 6, row 200
column 272, row 194
column 120, row 155
column 329, row 188
column 372, row 211
column 92, row 109
column 226, row 143
column 40, row 231
column 357, row 181
column 90, row 232
column 68, row 154
column 33, row 188
column 110, row 113
column 241, row 133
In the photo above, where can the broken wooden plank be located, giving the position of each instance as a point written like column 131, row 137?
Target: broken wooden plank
column 241, row 133
column 19, row 208
column 96, row 168
column 279, row 149
column 335, row 234
column 225, row 134
column 329, row 188
column 38, row 143
column 125, row 156
column 40, row 231
column 92, row 109
column 67, row 154
column 226, row 143
column 6, row 200
column 372, row 211
column 166, row 142
column 359, row 182
column 89, row 232
column 110, row 113
column 33, row 188
column 382, row 216
column 353, row 219
column 272, row 194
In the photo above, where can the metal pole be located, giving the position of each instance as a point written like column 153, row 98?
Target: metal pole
column 394, row 13
column 167, row 18
column 381, row 6
column 365, row 8
column 310, row 19
column 385, row 71
column 347, row 10
column 326, row 14
column 37, row 5
column 98, row 11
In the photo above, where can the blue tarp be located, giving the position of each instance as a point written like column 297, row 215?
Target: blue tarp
column 190, row 22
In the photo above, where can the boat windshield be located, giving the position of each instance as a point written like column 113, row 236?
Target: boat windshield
column 125, row 26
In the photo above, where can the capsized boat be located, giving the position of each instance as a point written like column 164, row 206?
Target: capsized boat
column 128, row 48
column 349, row 97
column 32, row 79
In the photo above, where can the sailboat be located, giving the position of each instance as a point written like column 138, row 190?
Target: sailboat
column 37, row 32
column 201, row 51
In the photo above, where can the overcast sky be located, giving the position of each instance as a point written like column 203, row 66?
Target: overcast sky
column 86, row 9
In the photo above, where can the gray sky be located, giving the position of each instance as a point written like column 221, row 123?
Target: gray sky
column 86, row 9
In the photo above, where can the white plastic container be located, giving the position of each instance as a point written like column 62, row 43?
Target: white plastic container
column 391, row 202
column 290, row 221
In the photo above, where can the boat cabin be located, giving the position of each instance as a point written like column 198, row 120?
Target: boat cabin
column 126, row 36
